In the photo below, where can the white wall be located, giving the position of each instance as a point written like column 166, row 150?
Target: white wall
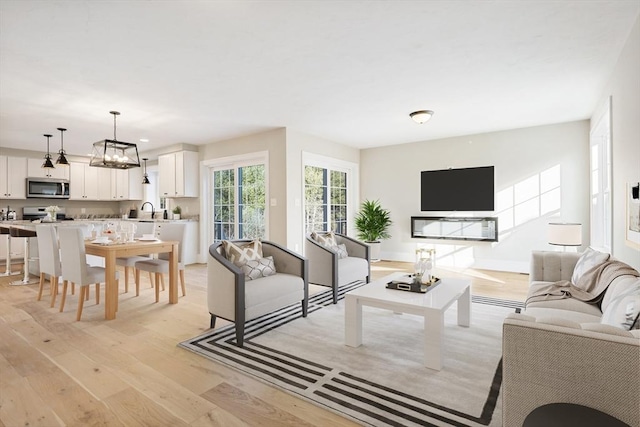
column 624, row 88
column 521, row 156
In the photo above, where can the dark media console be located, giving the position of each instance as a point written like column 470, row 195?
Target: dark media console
column 481, row 229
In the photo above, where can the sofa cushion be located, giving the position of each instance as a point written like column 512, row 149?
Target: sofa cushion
column 623, row 303
column 352, row 269
column 257, row 268
column 570, row 304
column 240, row 253
column 590, row 258
column 575, row 316
column 259, row 294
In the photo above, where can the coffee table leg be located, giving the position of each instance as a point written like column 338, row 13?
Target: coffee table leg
column 433, row 338
column 464, row 308
column 352, row 321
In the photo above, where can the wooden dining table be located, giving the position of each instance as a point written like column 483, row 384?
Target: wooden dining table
column 138, row 247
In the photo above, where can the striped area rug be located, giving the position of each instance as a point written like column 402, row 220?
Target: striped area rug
column 382, row 382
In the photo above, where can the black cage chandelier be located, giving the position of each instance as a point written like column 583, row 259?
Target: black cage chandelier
column 114, row 154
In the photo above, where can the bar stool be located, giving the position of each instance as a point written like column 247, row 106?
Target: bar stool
column 6, row 230
column 26, row 234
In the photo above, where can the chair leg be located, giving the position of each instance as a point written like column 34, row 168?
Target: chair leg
column 97, row 293
column 240, row 334
column 126, row 279
column 184, row 290
column 87, row 292
column 158, row 278
column 137, row 282
column 64, row 294
column 212, row 322
column 335, row 293
column 54, row 290
column 151, row 279
column 105, row 292
column 41, row 286
column 161, row 277
column 305, row 307
column 84, row 290
column 73, row 288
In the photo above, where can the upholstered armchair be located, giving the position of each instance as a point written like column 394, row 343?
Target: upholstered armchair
column 232, row 296
column 328, row 268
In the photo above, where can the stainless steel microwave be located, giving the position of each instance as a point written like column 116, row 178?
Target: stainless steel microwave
column 47, row 188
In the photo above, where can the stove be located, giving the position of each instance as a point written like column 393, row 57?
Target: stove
column 33, row 213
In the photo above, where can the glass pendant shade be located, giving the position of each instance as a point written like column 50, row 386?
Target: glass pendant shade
column 114, row 154
column 48, row 164
column 62, row 157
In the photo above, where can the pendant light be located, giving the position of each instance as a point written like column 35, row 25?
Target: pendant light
column 48, row 164
column 62, row 158
column 114, row 154
column 145, row 177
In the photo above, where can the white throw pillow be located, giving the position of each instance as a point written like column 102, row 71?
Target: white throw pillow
column 258, row 268
column 341, row 250
column 624, row 309
column 327, row 239
column 589, row 259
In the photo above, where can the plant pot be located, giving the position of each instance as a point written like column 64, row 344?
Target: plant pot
column 374, row 251
column 176, row 216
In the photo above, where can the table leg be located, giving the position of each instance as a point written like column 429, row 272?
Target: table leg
column 111, row 289
column 433, row 338
column 7, row 271
column 173, row 275
column 352, row 321
column 464, row 308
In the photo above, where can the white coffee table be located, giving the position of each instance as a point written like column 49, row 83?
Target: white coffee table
column 430, row 305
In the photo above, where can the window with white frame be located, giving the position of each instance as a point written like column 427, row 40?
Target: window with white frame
column 600, row 168
column 238, row 198
column 328, row 191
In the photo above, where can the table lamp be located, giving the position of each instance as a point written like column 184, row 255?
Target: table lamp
column 565, row 234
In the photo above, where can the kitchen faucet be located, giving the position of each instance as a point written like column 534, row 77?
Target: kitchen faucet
column 153, row 211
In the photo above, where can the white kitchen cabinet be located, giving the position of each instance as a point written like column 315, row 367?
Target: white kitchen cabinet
column 178, row 174
column 35, row 170
column 13, row 177
column 126, row 184
column 83, row 181
column 104, row 183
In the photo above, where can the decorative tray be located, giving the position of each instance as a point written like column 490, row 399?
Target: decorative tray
column 406, row 284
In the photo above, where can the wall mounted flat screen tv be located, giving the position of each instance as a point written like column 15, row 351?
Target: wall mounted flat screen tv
column 469, row 189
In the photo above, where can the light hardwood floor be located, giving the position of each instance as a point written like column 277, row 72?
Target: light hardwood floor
column 55, row 371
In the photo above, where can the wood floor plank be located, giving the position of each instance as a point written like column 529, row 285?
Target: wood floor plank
column 250, row 408
column 100, row 380
column 135, row 409
column 177, row 400
column 20, row 405
column 219, row 418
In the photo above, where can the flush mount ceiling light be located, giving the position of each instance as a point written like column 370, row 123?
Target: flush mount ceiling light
column 145, row 177
column 62, row 158
column 114, row 154
column 48, row 164
column 421, row 116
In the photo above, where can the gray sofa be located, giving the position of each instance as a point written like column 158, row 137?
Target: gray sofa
column 571, row 351
column 326, row 268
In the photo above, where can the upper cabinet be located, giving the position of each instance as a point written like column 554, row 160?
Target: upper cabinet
column 126, row 184
column 178, row 174
column 83, row 181
column 13, row 177
column 35, row 170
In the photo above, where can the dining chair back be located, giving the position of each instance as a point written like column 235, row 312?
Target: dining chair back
column 129, row 263
column 75, row 268
column 160, row 266
column 49, row 254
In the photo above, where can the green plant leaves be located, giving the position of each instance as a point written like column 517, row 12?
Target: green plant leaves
column 372, row 221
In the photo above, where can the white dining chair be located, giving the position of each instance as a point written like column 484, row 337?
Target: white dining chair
column 75, row 268
column 49, row 254
column 129, row 263
column 160, row 266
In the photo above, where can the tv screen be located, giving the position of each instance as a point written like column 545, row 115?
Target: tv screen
column 469, row 189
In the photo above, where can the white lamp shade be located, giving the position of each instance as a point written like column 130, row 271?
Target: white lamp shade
column 565, row 234
column 421, row 116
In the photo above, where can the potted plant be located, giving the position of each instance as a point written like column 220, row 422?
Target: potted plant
column 176, row 212
column 372, row 223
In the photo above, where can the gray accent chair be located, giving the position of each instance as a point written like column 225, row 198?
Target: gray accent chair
column 327, row 269
column 231, row 297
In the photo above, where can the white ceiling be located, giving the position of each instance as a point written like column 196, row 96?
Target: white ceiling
column 349, row 71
